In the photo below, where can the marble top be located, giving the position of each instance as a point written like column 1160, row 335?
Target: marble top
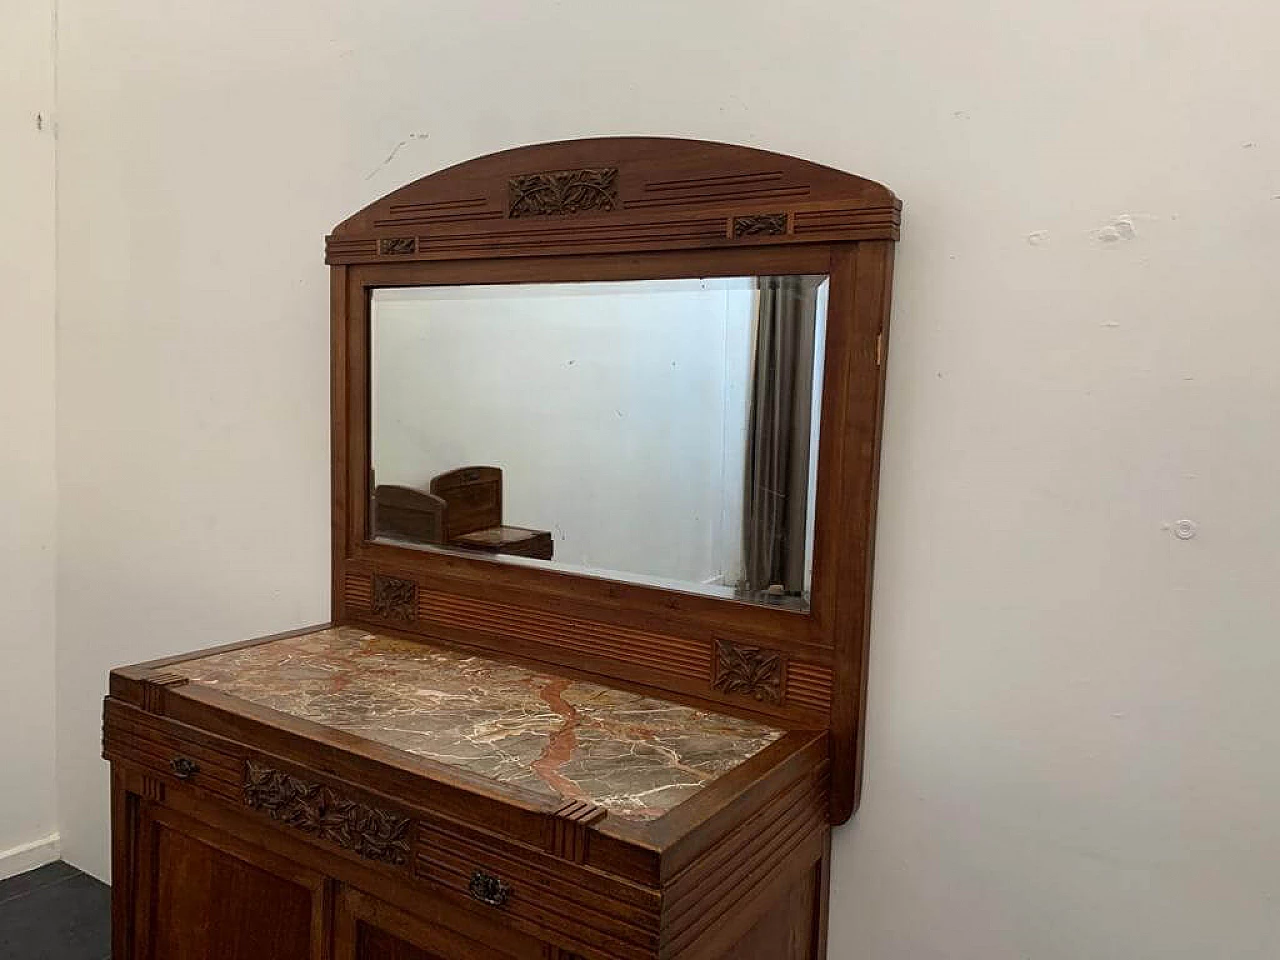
column 636, row 756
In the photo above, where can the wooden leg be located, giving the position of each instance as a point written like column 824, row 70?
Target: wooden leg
column 822, row 904
column 124, row 820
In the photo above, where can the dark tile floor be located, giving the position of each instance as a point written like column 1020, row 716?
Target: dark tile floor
column 55, row 913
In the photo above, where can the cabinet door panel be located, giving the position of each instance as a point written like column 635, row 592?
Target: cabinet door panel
column 369, row 929
column 206, row 896
column 372, row 942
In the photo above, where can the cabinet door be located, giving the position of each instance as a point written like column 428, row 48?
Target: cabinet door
column 368, row 929
column 202, row 895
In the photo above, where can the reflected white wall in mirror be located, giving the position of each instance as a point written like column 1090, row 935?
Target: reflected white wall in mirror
column 660, row 432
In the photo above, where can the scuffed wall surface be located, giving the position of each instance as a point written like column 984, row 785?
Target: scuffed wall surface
column 1073, row 721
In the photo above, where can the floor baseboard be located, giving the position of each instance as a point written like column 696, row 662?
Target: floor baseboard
column 28, row 856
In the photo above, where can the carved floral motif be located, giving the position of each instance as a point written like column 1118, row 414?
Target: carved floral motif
column 396, row 245
column 394, row 598
column 749, row 671
column 760, row 225
column 320, row 811
column 563, row 192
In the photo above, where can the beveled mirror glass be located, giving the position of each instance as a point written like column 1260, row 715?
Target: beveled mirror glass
column 662, row 432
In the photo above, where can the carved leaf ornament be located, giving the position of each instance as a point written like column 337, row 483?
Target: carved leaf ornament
column 315, row 809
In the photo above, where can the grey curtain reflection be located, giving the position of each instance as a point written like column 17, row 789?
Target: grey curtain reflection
column 778, row 435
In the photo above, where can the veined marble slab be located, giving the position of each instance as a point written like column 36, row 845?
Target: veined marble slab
column 636, row 756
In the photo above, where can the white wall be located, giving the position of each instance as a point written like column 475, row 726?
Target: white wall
column 617, row 412
column 1074, row 726
column 27, row 506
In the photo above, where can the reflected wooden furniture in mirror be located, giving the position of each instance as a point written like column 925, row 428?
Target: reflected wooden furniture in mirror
column 461, row 509
column 621, row 731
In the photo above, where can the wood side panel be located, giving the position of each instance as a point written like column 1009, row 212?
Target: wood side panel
column 869, row 265
column 883, row 255
column 703, row 901
column 761, row 894
column 785, row 931
column 702, row 823
column 797, row 808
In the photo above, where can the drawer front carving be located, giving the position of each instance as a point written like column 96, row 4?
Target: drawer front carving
column 313, row 808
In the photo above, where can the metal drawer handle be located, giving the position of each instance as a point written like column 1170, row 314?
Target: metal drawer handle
column 184, row 768
column 488, row 889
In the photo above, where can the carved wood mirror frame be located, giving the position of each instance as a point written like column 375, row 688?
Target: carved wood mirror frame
column 632, row 209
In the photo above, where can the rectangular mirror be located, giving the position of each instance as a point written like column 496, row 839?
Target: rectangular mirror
column 661, row 432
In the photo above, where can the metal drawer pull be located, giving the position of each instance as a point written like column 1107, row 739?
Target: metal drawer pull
column 489, row 889
column 184, row 768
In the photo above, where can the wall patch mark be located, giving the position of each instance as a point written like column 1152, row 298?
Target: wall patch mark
column 1118, row 229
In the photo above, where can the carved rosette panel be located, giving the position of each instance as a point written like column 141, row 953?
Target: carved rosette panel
column 760, row 225
column 317, row 810
column 563, row 192
column 753, row 672
column 397, row 246
column 394, row 598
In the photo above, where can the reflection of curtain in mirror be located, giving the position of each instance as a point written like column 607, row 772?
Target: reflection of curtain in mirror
column 778, row 433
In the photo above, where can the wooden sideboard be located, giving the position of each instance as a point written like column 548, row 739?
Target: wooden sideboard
column 240, row 825
column 478, row 759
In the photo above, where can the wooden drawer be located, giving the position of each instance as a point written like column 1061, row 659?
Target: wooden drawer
column 173, row 753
